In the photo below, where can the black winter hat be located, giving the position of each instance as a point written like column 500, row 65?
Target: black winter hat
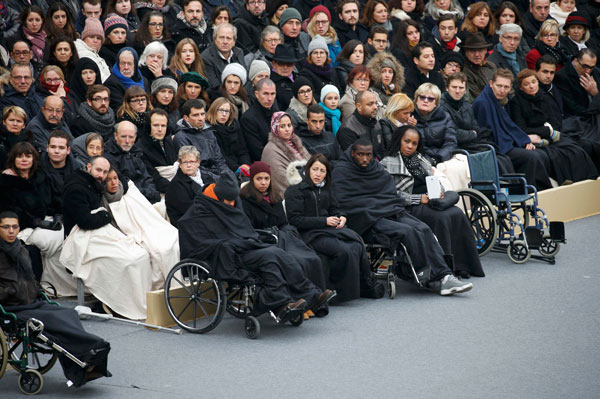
column 298, row 83
column 453, row 56
column 227, row 187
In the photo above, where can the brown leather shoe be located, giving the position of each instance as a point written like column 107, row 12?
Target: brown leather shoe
column 325, row 297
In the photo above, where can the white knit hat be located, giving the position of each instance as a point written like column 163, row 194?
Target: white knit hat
column 234, row 69
column 329, row 89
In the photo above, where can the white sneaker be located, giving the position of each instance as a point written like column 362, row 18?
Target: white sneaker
column 450, row 285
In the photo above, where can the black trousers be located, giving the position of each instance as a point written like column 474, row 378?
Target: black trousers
column 535, row 164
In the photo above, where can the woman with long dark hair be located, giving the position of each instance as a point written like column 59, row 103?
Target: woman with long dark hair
column 59, row 22
column 32, row 22
column 61, row 52
column 153, row 28
column 352, row 54
column 125, row 9
column 407, row 36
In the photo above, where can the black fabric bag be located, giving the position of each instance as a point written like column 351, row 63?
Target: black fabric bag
column 439, row 204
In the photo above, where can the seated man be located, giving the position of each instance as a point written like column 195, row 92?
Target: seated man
column 19, row 293
column 367, row 194
column 126, row 158
column 216, row 229
column 509, row 138
column 363, row 123
column 478, row 69
column 51, row 118
column 94, row 114
column 422, row 69
column 315, row 138
column 20, row 90
column 106, row 260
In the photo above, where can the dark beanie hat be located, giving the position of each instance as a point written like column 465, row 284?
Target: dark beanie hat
column 273, row 5
column 298, row 83
column 227, row 187
column 453, row 56
column 259, row 167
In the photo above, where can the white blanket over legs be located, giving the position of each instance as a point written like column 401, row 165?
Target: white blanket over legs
column 137, row 218
column 456, row 170
column 112, row 266
column 50, row 242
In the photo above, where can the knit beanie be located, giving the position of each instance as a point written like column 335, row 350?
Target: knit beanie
column 298, row 83
column 194, row 77
column 227, row 187
column 453, row 56
column 259, row 167
column 234, row 69
column 289, row 13
column 114, row 21
column 93, row 27
column 329, row 89
column 273, row 6
column 319, row 8
column 318, row 43
column 164, row 82
column 257, row 67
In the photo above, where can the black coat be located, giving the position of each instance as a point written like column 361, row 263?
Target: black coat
column 308, row 206
column 180, row 31
column 439, row 135
column 357, row 126
column 131, row 165
column 249, row 29
column 531, row 112
column 29, row 199
column 55, row 178
column 283, row 87
column 205, row 142
column 31, row 102
column 82, row 195
column 342, row 70
column 7, row 140
column 117, row 90
column 155, row 154
column 575, row 99
column 214, row 63
column 468, row 130
column 414, row 78
column 256, row 125
column 181, row 193
column 149, row 76
column 318, row 77
column 262, row 214
column 324, row 143
column 345, row 33
column 232, row 143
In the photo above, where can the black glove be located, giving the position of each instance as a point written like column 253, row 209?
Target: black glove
column 47, row 224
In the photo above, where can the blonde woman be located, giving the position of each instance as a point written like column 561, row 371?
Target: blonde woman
column 397, row 113
column 319, row 23
column 546, row 42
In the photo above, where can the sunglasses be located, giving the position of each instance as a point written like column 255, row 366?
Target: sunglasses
column 427, row 99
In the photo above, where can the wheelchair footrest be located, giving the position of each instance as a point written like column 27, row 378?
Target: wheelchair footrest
column 534, row 237
column 557, row 231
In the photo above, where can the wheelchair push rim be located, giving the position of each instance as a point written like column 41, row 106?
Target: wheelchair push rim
column 195, row 301
column 482, row 217
column 3, row 353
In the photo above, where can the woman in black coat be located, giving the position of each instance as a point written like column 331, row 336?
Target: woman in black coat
column 312, row 208
column 531, row 110
column 317, row 67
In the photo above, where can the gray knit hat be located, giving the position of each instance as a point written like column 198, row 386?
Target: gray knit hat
column 329, row 89
column 289, row 13
column 234, row 69
column 318, row 43
column 164, row 82
column 257, row 67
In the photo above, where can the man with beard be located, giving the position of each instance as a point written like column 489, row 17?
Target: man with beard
column 346, row 25
column 191, row 23
column 256, row 121
column 95, row 115
column 367, row 194
column 422, row 70
column 249, row 23
column 20, row 91
column 545, row 70
column 51, row 118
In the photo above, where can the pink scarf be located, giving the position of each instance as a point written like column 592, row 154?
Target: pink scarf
column 38, row 42
column 275, row 122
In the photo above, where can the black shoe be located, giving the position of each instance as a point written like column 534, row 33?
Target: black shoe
column 462, row 274
column 290, row 311
column 371, row 288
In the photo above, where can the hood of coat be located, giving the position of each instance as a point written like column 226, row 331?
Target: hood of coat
column 294, row 172
column 383, row 59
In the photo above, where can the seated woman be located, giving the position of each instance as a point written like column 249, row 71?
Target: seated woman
column 303, row 98
column 12, row 130
column 153, row 62
column 86, row 74
column 159, row 154
column 216, row 229
column 192, row 86
column 359, row 79
column 163, row 96
column 547, row 43
column 153, row 28
column 19, row 292
column 186, row 184
column 135, row 107
column 408, row 167
column 531, row 110
column 316, row 68
column 266, row 213
column 312, row 208
column 233, row 79
column 388, row 74
column 226, row 127
column 576, row 35
column 439, row 136
column 87, row 146
column 283, row 153
column 352, row 54
column 397, row 113
column 52, row 83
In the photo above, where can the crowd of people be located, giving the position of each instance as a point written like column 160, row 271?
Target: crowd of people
column 129, row 126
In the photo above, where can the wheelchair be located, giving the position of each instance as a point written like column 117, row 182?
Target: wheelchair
column 197, row 302
column 26, row 349
column 504, row 213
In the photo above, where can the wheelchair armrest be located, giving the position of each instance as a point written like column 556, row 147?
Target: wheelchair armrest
column 43, row 296
column 267, row 236
column 7, row 315
column 482, row 182
column 513, row 175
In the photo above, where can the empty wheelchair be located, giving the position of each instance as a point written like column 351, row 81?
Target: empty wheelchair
column 197, row 302
column 504, row 213
column 26, row 349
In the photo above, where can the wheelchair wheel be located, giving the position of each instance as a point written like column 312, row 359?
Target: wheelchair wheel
column 252, row 327
column 391, row 289
column 548, row 247
column 196, row 302
column 30, row 382
column 3, row 353
column 41, row 358
column 518, row 252
column 482, row 217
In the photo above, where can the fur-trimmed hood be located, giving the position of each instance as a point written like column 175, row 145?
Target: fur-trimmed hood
column 294, row 172
column 376, row 64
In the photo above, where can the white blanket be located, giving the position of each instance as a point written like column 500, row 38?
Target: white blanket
column 168, row 172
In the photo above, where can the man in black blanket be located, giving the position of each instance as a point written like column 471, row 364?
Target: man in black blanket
column 367, row 194
column 216, row 229
column 19, row 294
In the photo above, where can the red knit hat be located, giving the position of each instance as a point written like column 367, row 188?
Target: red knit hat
column 258, row 167
column 319, row 9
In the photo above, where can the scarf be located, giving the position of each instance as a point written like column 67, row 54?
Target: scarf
column 298, row 108
column 334, row 115
column 580, row 45
column 109, row 198
column 412, row 43
column 128, row 82
column 451, row 44
column 201, row 28
column 324, row 72
column 240, row 105
column 455, row 104
column 102, row 124
column 275, row 122
column 197, row 178
column 511, row 58
column 52, row 88
column 561, row 56
column 387, row 25
column 414, row 165
column 38, row 41
column 15, row 254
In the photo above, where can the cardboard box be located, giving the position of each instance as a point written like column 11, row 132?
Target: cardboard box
column 572, row 202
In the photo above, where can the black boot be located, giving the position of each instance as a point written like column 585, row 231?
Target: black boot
column 371, row 288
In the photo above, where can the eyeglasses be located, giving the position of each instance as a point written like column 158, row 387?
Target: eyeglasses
column 26, row 78
column 362, row 80
column 24, row 52
column 584, row 66
column 380, row 41
column 223, row 111
column 9, row 227
column 426, row 99
column 101, row 99
column 156, row 24
column 271, row 41
column 304, row 92
column 255, row 2
column 453, row 64
column 53, row 111
column 138, row 100
column 324, row 22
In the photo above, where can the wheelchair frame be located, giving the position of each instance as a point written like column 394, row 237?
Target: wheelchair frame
column 38, row 352
column 491, row 203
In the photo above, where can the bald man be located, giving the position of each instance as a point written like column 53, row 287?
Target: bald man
column 51, row 118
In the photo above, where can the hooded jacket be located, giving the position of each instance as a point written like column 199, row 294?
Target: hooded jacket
column 376, row 65
column 205, row 142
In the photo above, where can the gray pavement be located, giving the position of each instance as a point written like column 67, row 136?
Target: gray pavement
column 524, row 331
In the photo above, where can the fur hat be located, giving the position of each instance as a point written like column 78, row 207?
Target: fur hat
column 93, row 27
column 327, row 89
column 234, row 69
column 257, row 67
column 289, row 13
column 164, row 82
column 114, row 21
column 227, row 187
column 318, row 43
